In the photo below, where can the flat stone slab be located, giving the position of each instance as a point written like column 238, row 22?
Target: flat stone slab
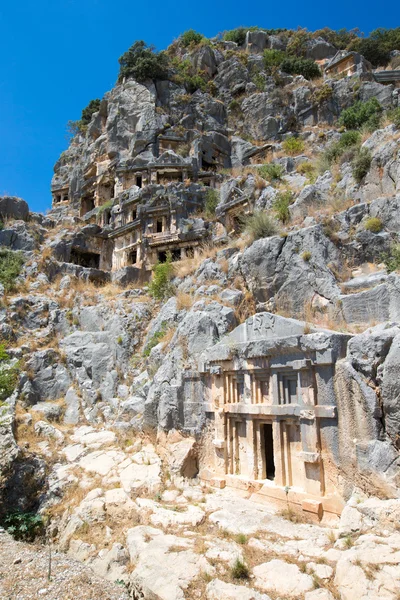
column 282, row 578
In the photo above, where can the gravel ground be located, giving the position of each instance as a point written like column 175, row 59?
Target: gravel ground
column 23, row 575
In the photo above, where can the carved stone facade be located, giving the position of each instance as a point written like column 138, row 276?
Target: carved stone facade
column 272, row 412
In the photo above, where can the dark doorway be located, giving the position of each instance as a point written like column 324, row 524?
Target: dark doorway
column 85, row 259
column 159, row 226
column 139, row 181
column 162, row 256
column 133, row 257
column 269, row 452
column 87, row 204
column 176, row 254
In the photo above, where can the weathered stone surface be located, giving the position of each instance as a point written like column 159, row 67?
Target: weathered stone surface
column 282, row 578
column 219, row 590
column 12, row 207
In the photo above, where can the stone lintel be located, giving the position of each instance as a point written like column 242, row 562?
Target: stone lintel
column 309, row 457
column 265, row 410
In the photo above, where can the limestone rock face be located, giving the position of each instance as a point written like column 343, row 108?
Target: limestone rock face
column 12, row 207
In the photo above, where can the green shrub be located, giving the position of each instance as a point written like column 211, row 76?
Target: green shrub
column 105, row 206
column 360, row 164
column 340, row 38
column 142, row 62
column 24, row 526
column 273, row 59
column 190, row 37
column 297, row 45
column 188, row 76
column 394, row 116
column 241, row 538
column 10, row 267
column 322, row 94
column 361, row 113
column 91, row 108
column 306, row 256
column 281, row 205
column 212, row 200
column 235, row 35
column 259, row 225
column 195, row 82
column 348, row 140
column 307, row 169
column 8, row 375
column 155, row 338
column 259, row 81
column 392, row 259
column 293, row 145
column 240, row 570
column 373, row 224
column 160, row 286
column 271, row 171
column 301, row 66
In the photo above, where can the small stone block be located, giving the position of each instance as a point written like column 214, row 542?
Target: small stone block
column 313, row 506
column 218, row 483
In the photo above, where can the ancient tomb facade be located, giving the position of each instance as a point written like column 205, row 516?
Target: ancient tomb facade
column 272, row 412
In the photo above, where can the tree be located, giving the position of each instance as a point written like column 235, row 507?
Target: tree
column 142, row 62
column 91, row 108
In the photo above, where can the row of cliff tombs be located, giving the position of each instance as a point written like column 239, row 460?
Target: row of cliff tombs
column 200, row 341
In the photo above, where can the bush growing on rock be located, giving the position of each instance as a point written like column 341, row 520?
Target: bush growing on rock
column 360, row 164
column 190, row 37
column 362, row 113
column 374, row 224
column 392, row 258
column 260, row 225
column 212, row 200
column 235, row 35
column 10, row 267
column 8, row 375
column 301, row 66
column 349, row 140
column 188, row 76
column 297, row 45
column 377, row 47
column 394, row 116
column 293, row 145
column 240, row 570
column 271, row 171
column 142, row 62
column 273, row 59
column 24, row 526
column 281, row 205
column 160, row 286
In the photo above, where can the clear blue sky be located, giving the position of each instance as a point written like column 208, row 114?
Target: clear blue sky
column 56, row 55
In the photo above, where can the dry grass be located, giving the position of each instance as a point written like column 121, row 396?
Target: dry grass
column 184, row 301
column 188, row 266
column 246, row 308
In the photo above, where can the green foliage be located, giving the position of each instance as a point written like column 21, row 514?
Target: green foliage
column 301, row 66
column 373, row 224
column 187, row 76
column 281, row 205
column 235, row 35
column 259, row 225
column 322, row 94
column 190, row 37
column 362, row 113
column 240, row 570
column 212, row 200
column 10, row 267
column 105, row 206
column 308, row 170
column 259, row 81
column 91, row 108
column 155, row 338
column 271, row 171
column 340, row 38
column 241, row 538
column 8, row 375
column 160, row 286
column 392, row 259
column 293, row 145
column 360, row 164
column 24, row 526
column 142, row 62
column 234, row 106
column 394, row 116
column 377, row 47
column 306, row 256
column 348, row 140
column 273, row 59
column 297, row 45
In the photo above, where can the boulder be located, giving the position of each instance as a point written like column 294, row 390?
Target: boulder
column 282, row 578
column 12, row 207
column 219, row 590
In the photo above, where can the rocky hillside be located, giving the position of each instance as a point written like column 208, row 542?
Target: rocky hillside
column 293, row 171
